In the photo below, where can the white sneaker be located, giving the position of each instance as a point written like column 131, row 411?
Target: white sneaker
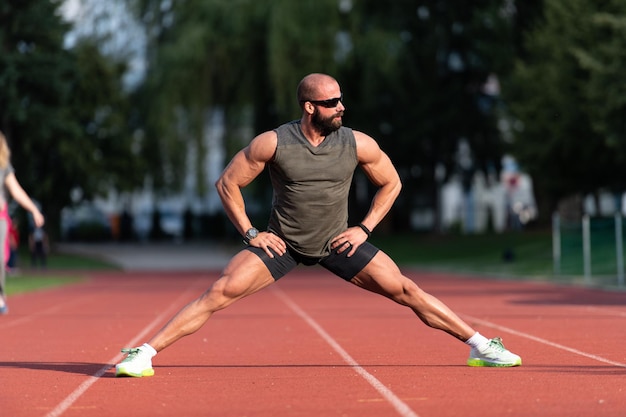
column 138, row 363
column 494, row 354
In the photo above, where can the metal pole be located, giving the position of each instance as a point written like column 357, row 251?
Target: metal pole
column 556, row 244
column 586, row 248
column 619, row 244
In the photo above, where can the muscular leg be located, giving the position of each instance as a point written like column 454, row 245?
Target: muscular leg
column 244, row 275
column 383, row 276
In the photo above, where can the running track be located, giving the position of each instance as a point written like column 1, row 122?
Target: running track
column 312, row 345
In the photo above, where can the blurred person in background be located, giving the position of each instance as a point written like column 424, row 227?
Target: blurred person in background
column 10, row 184
column 13, row 239
column 38, row 245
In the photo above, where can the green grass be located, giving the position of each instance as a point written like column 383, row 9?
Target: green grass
column 17, row 284
column 62, row 269
column 531, row 252
column 531, row 255
column 61, row 261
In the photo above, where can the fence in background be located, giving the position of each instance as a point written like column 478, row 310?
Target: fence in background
column 592, row 248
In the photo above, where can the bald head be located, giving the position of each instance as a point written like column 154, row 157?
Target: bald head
column 314, row 86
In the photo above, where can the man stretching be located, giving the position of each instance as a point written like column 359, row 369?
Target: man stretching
column 311, row 162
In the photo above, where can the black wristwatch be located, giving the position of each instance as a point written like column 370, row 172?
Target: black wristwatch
column 251, row 233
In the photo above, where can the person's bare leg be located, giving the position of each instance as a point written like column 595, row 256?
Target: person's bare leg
column 244, row 275
column 383, row 276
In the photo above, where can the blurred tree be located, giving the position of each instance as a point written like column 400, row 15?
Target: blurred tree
column 415, row 81
column 548, row 95
column 196, row 51
column 101, row 106
column 605, row 90
column 62, row 110
column 241, row 58
column 302, row 39
column 526, row 15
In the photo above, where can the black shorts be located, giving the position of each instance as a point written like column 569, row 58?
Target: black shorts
column 337, row 263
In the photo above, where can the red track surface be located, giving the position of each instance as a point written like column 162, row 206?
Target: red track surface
column 312, row 345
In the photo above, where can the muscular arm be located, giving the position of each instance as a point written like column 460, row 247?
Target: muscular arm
column 381, row 172
column 245, row 166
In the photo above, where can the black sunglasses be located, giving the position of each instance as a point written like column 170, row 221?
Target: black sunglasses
column 330, row 103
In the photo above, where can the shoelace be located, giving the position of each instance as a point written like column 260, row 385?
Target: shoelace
column 496, row 343
column 132, row 352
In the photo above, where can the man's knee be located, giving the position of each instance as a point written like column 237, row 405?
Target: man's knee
column 216, row 297
column 230, row 288
column 406, row 292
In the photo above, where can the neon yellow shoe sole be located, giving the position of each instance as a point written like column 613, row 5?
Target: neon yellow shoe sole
column 483, row 363
column 125, row 372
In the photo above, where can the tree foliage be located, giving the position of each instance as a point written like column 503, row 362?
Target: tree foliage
column 240, row 56
column 415, row 80
column 63, row 111
column 605, row 89
column 563, row 97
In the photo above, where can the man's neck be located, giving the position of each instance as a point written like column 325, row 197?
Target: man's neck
column 311, row 134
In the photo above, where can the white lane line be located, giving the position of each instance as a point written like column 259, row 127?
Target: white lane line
column 543, row 341
column 75, row 395
column 402, row 409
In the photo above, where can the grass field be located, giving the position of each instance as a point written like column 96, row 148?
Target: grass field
column 17, row 284
column 516, row 254
column 59, row 271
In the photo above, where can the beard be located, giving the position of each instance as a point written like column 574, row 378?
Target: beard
column 328, row 125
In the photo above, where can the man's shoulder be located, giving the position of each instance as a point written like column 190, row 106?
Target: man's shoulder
column 293, row 125
column 289, row 133
column 361, row 137
column 263, row 146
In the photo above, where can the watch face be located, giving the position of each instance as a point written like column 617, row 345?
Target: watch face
column 252, row 233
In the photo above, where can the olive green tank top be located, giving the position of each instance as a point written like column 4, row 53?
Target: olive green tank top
column 311, row 186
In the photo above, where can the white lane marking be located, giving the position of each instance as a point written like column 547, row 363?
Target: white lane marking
column 543, row 341
column 402, row 409
column 75, row 395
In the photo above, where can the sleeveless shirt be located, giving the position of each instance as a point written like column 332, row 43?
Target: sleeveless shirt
column 311, row 186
